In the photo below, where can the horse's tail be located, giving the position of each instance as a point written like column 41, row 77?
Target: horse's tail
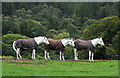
column 14, row 44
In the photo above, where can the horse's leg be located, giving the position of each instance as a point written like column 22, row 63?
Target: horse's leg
column 92, row 56
column 75, row 53
column 63, row 56
column 60, row 55
column 45, row 54
column 20, row 55
column 48, row 55
column 33, row 55
column 17, row 53
column 89, row 55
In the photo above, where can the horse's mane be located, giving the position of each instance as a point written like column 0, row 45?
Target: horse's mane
column 95, row 38
column 39, row 36
column 67, row 39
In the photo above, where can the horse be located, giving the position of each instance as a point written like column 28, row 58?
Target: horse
column 58, row 45
column 89, row 45
column 32, row 43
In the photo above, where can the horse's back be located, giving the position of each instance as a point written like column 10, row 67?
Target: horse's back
column 83, row 44
column 26, row 43
column 54, row 45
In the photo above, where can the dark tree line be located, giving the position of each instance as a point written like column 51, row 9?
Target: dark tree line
column 55, row 20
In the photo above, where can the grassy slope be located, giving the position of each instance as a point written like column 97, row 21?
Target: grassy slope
column 60, row 68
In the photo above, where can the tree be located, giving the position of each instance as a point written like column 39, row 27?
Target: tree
column 26, row 14
column 8, row 8
column 106, row 28
column 47, row 15
column 108, row 9
column 32, row 28
column 61, row 35
column 67, row 25
column 10, row 27
column 113, row 49
column 52, row 32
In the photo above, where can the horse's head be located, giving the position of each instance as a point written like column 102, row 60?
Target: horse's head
column 71, row 42
column 45, row 40
column 68, row 41
column 100, row 41
column 97, row 41
column 41, row 39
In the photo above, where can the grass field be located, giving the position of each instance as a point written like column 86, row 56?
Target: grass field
column 59, row 68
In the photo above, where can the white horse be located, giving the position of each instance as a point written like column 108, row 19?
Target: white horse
column 32, row 43
column 57, row 45
column 87, row 45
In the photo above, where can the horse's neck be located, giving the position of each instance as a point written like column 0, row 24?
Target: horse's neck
column 38, row 40
column 94, row 42
column 65, row 42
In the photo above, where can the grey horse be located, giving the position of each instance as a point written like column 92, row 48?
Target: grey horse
column 87, row 45
column 32, row 43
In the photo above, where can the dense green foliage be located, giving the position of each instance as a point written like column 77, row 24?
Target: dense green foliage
column 8, row 41
column 61, row 20
column 59, row 68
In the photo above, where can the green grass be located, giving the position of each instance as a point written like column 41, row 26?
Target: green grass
column 60, row 68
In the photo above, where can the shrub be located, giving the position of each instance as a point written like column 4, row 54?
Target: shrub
column 9, row 38
column 38, row 57
column 7, row 58
column 69, row 53
column 8, row 42
column 113, row 49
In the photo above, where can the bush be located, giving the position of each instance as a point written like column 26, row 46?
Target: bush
column 111, row 53
column 113, row 49
column 82, row 54
column 8, row 42
column 7, row 49
column 7, row 58
column 69, row 53
column 54, row 55
column 9, row 38
column 38, row 57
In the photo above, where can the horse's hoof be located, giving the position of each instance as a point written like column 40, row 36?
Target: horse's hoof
column 90, row 60
column 76, row 59
column 17, row 58
column 33, row 59
column 45, row 59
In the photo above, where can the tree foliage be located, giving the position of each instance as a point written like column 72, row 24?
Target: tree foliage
column 106, row 28
column 8, row 39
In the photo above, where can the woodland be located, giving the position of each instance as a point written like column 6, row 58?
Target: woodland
column 58, row 20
